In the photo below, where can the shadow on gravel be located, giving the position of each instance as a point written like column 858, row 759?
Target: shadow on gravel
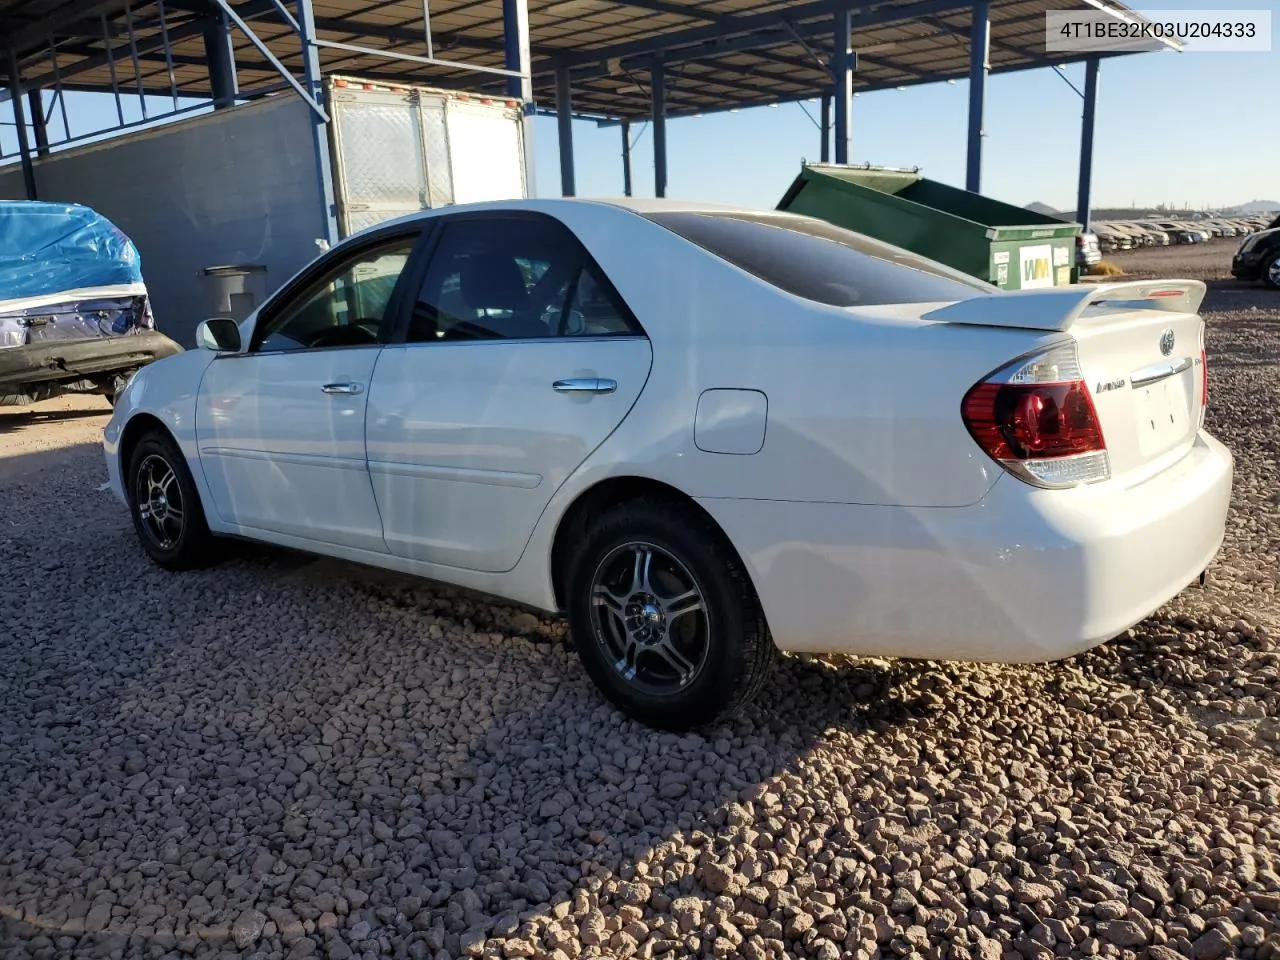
column 14, row 419
column 317, row 741
column 24, row 465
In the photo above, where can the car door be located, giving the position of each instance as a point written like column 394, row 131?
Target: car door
column 280, row 426
column 517, row 359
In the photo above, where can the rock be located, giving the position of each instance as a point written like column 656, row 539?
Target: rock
column 472, row 942
column 716, row 877
column 1033, row 892
column 687, row 912
column 247, row 929
column 1123, row 933
column 592, row 931
column 1211, row 945
column 1111, row 910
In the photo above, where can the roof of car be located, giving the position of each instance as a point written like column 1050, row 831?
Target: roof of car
column 639, row 205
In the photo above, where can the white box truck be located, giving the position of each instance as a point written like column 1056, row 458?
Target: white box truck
column 399, row 149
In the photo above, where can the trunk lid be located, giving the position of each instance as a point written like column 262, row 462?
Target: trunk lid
column 1144, row 370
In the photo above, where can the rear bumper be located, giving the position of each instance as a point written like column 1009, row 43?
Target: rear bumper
column 1026, row 575
column 54, row 360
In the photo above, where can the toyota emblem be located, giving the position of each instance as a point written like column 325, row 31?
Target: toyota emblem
column 1166, row 342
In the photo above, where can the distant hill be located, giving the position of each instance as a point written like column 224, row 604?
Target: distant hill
column 1255, row 206
column 1043, row 208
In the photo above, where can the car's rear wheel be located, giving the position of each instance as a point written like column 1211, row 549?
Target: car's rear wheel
column 1271, row 272
column 165, row 505
column 664, row 617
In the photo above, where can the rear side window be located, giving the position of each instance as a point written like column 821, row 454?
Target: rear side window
column 818, row 261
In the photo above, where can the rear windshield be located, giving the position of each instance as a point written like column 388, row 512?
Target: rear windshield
column 818, row 261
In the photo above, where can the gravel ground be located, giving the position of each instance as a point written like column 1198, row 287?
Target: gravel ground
column 291, row 757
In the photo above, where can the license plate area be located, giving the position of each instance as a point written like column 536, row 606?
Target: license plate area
column 1163, row 414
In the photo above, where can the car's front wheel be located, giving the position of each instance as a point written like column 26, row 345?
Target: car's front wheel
column 1271, row 272
column 664, row 617
column 165, row 505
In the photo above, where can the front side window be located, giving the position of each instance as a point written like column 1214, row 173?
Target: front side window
column 492, row 278
column 818, row 261
column 346, row 308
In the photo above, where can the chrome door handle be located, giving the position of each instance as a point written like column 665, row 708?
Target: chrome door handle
column 585, row 385
column 342, row 388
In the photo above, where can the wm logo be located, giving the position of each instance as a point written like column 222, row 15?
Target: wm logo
column 1036, row 269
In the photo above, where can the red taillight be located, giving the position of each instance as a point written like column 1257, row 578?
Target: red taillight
column 1204, row 378
column 1036, row 419
column 1032, row 421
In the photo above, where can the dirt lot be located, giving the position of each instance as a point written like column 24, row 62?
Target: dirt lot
column 292, row 757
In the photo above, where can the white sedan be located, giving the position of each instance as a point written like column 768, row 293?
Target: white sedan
column 703, row 433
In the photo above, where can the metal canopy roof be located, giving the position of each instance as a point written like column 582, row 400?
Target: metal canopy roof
column 718, row 54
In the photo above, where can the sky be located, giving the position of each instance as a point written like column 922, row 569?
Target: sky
column 1190, row 129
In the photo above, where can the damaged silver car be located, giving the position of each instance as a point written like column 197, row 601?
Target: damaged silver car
column 75, row 316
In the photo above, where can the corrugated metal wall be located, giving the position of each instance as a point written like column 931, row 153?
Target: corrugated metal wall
column 238, row 186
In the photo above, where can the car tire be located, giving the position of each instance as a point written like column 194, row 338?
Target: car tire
column 175, row 538
column 1270, row 272
column 664, row 617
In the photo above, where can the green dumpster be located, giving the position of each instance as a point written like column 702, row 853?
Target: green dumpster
column 1011, row 247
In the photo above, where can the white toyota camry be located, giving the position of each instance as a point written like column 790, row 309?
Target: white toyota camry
column 703, row 433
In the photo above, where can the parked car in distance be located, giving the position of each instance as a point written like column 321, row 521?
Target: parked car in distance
column 801, row 438
column 1088, row 250
column 1258, row 257
column 75, row 316
column 1111, row 239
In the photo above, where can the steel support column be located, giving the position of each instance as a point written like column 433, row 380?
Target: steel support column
column 220, row 56
column 20, row 126
column 824, row 125
column 658, row 87
column 626, row 158
column 979, row 66
column 516, row 56
column 842, row 77
column 39, row 125
column 564, row 125
column 319, row 128
column 1083, row 212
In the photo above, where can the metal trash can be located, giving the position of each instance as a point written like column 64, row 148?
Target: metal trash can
column 235, row 290
column 1010, row 247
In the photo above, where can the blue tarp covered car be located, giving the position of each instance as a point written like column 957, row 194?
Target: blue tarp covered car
column 75, row 316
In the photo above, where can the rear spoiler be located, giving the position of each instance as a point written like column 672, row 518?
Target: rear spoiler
column 1057, row 308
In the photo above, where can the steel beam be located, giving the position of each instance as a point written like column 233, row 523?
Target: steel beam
column 707, row 38
column 564, row 127
column 518, row 59
column 1083, row 212
column 220, row 55
column 842, row 77
column 626, row 158
column 62, row 16
column 20, row 126
column 658, row 93
column 319, row 126
column 358, row 28
column 39, row 122
column 824, row 154
column 979, row 67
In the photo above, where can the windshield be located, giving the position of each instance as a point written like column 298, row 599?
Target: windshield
column 818, row 261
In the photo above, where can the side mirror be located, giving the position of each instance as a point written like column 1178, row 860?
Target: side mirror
column 220, row 334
